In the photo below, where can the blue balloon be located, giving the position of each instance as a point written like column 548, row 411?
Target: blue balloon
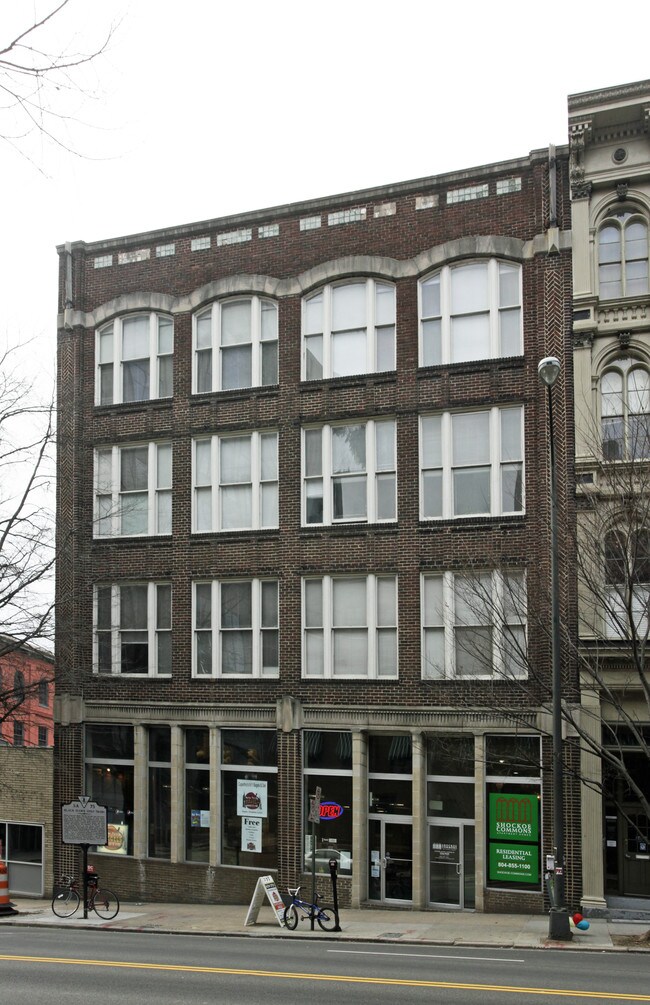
column 583, row 925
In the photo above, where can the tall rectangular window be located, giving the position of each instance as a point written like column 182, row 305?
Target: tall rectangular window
column 349, row 473
column 474, row 625
column 236, row 628
column 235, row 482
column 472, row 463
column 197, row 794
column 133, row 490
column 160, row 784
column 350, row 626
column 109, row 782
column 249, row 798
column 133, row 629
column 236, row 345
column 135, row 359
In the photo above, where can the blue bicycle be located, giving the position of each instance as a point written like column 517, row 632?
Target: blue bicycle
column 302, row 910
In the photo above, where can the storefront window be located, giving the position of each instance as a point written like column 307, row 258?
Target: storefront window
column 197, row 795
column 328, row 765
column 513, row 809
column 249, row 788
column 450, row 756
column 21, row 848
column 109, row 782
column 450, row 799
column 160, row 792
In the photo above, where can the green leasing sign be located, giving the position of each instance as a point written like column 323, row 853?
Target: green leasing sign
column 514, row 816
column 514, row 863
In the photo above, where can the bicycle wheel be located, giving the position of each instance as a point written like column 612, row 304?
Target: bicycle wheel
column 326, row 919
column 105, row 904
column 64, row 904
column 291, row 917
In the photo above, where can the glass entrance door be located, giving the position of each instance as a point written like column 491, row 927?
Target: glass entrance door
column 390, row 860
column 452, row 865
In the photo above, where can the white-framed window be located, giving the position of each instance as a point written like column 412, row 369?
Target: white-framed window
column 473, row 625
column 623, row 255
column 349, row 472
column 627, row 583
column 350, row 626
column 133, row 629
column 135, row 360
column 625, row 411
column 235, row 628
column 348, row 328
column 471, row 311
column 236, row 345
column 133, row 490
column 235, row 482
column 472, row 463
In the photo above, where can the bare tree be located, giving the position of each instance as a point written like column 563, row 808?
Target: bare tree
column 26, row 525
column 43, row 81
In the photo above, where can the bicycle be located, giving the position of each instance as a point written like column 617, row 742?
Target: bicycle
column 324, row 916
column 103, row 902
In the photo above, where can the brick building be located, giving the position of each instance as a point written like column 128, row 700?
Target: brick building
column 26, row 765
column 303, row 489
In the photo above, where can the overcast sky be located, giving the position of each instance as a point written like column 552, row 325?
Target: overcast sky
column 204, row 108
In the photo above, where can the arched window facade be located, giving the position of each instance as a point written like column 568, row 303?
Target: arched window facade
column 471, row 311
column 236, row 345
column 135, row 359
column 623, row 255
column 627, row 581
column 349, row 328
column 625, row 411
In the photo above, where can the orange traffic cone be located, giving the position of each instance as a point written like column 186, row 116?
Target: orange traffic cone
column 6, row 906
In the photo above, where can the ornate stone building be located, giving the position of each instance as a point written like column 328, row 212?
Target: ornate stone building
column 610, row 189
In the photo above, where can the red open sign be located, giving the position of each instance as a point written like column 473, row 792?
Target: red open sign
column 330, row 811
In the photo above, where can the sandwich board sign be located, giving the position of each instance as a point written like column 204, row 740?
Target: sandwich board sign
column 83, row 822
column 266, row 887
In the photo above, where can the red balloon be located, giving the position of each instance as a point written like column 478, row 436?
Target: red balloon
column 577, row 917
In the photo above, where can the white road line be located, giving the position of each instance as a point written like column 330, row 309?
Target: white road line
column 425, row 956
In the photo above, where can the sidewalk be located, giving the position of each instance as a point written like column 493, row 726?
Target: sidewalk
column 438, row 928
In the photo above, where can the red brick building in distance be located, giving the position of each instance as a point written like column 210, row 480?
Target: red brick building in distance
column 26, row 695
column 303, row 490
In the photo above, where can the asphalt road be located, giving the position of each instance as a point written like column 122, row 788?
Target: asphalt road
column 74, row 966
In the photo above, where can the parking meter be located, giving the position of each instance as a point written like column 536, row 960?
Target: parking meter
column 335, row 898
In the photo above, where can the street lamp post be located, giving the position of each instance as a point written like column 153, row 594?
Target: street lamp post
column 559, row 929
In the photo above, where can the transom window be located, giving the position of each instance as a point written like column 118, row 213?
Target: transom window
column 235, row 482
column 350, row 626
column 470, row 311
column 135, row 359
column 349, row 328
column 133, row 626
column 236, row 345
column 349, row 473
column 627, row 582
column 472, row 463
column 133, row 490
column 625, row 411
column 473, row 625
column 623, row 255
column 236, row 628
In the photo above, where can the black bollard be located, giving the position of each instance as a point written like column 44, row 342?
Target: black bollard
column 335, row 896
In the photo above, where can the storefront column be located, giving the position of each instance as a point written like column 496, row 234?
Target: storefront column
column 215, row 792
column 420, row 841
column 359, row 818
column 140, row 792
column 177, row 799
column 480, row 815
column 593, row 879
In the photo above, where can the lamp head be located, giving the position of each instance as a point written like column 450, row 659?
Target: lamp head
column 548, row 370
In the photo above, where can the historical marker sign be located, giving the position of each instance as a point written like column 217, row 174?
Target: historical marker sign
column 83, row 822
